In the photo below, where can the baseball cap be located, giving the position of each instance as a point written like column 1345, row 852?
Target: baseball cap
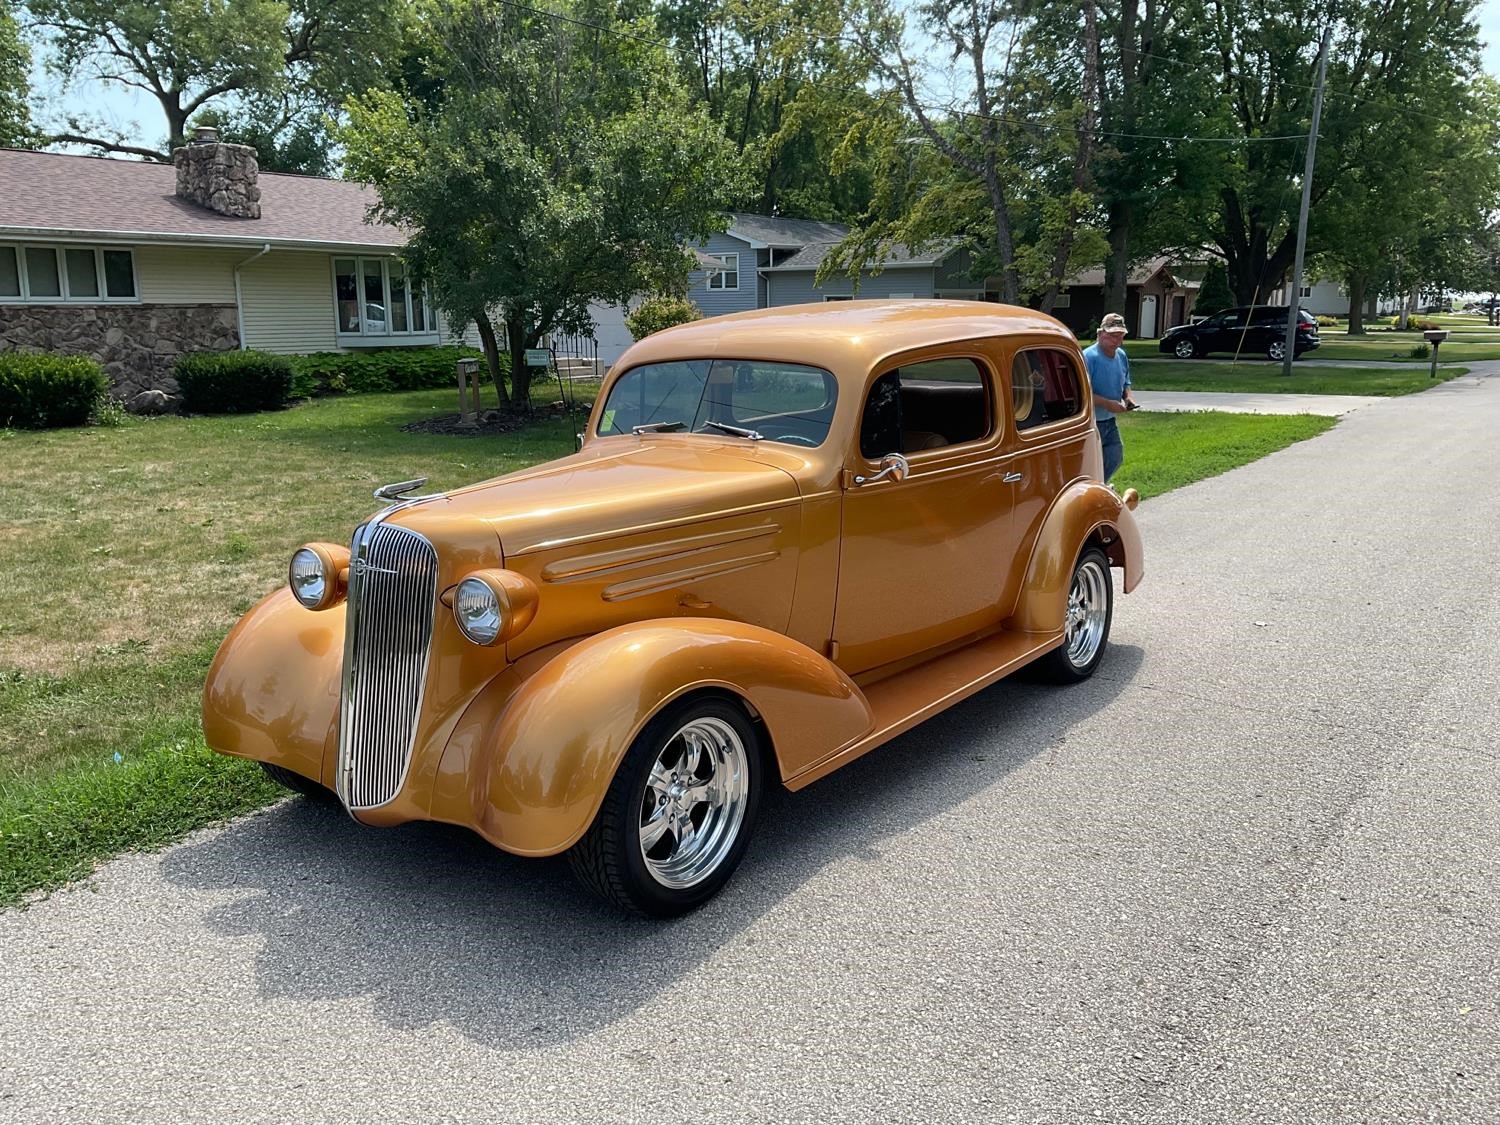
column 1113, row 322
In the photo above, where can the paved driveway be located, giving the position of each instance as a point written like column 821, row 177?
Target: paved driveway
column 1249, row 872
column 1186, row 402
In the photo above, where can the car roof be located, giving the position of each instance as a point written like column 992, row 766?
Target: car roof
column 840, row 335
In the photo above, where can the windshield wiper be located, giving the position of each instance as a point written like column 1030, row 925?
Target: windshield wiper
column 738, row 431
column 658, row 427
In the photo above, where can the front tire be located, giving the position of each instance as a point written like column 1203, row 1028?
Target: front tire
column 678, row 815
column 1091, row 607
column 1185, row 349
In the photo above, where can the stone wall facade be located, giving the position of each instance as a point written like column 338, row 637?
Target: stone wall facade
column 220, row 177
column 137, row 344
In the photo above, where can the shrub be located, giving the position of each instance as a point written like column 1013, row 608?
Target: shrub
column 39, row 391
column 1418, row 351
column 1328, row 322
column 389, row 369
column 233, row 382
column 655, row 313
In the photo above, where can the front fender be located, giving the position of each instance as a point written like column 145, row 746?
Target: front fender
column 1080, row 510
column 272, row 692
column 537, row 765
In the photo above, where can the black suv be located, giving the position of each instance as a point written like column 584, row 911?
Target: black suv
column 1247, row 330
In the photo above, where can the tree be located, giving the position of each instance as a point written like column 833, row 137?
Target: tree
column 1266, row 60
column 1214, row 293
column 15, row 61
column 558, row 163
column 192, row 55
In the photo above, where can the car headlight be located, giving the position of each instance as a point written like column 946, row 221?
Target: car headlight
column 492, row 606
column 315, row 574
column 478, row 610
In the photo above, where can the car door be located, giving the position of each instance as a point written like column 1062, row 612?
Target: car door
column 1223, row 331
column 923, row 560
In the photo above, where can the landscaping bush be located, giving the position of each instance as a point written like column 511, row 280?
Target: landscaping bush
column 233, row 382
column 40, row 392
column 389, row 369
column 1418, row 351
column 655, row 313
column 1328, row 322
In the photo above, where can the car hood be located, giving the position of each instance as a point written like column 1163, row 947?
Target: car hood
column 616, row 487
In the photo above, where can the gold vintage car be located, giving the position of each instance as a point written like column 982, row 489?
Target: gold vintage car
column 789, row 536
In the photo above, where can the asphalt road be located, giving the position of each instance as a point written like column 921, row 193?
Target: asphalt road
column 1248, row 873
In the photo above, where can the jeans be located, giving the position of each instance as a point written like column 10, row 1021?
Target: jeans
column 1114, row 448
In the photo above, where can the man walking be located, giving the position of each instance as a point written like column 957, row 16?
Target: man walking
column 1109, row 376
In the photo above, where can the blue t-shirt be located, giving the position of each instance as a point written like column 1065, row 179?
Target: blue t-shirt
column 1109, row 377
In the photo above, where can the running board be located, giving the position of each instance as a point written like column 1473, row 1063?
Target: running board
column 910, row 697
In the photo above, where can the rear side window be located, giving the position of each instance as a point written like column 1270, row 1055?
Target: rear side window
column 1267, row 314
column 1044, row 387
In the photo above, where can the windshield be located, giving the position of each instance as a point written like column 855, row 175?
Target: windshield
column 754, row 399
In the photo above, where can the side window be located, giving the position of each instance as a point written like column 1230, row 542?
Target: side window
column 1044, row 387
column 926, row 405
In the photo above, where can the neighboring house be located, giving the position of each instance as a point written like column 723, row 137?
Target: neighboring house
column 1323, row 298
column 1158, row 296
column 136, row 263
column 766, row 262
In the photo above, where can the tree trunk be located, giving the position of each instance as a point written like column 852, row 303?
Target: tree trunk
column 520, row 374
column 491, row 354
column 1408, row 306
column 1117, row 265
column 1355, row 283
column 1082, row 159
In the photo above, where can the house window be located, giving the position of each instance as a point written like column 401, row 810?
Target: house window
column 1307, row 290
column 834, row 297
column 1062, row 301
column 54, row 274
column 729, row 276
column 374, row 297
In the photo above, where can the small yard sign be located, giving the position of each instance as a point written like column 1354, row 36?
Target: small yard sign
column 538, row 357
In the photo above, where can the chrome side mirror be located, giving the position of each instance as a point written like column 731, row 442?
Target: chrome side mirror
column 893, row 467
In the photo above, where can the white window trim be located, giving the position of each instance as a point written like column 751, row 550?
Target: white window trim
column 718, row 275
column 66, row 298
column 388, row 338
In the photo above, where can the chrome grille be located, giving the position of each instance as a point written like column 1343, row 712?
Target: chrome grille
column 392, row 592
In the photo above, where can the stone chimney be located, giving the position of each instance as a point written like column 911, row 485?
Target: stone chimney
column 218, row 176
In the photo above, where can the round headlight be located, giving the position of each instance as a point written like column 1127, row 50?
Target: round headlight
column 476, row 607
column 309, row 578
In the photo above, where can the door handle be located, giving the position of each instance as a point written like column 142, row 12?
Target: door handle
column 1011, row 478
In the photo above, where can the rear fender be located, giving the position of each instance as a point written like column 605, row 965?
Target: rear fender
column 1084, row 510
column 539, row 772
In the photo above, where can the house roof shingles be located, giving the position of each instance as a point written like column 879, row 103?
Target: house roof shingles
column 55, row 194
column 811, row 256
column 784, row 234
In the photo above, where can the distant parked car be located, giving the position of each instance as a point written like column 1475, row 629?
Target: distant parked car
column 1242, row 330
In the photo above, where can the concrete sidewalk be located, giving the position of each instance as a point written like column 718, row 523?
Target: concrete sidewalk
column 1179, row 402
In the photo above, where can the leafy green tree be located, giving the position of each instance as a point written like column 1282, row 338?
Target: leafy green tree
column 1386, row 60
column 191, row 55
column 1214, row 293
column 781, row 80
column 559, row 163
column 15, row 62
column 287, row 136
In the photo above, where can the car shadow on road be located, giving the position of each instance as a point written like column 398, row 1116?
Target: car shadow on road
column 432, row 925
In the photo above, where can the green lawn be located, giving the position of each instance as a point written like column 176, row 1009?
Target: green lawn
column 128, row 552
column 1167, row 451
column 1260, row 377
column 1469, row 342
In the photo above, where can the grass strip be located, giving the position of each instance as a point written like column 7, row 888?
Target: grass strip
column 1250, row 377
column 1167, row 451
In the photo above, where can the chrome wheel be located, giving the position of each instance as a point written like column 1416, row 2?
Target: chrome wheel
column 1277, row 351
column 1088, row 612
column 694, row 802
column 1184, row 349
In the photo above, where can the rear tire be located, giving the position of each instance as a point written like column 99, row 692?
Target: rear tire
column 290, row 779
column 678, row 815
column 1091, row 607
column 1276, row 351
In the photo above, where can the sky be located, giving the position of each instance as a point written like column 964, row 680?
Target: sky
column 139, row 117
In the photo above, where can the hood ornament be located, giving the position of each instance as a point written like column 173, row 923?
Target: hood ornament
column 396, row 493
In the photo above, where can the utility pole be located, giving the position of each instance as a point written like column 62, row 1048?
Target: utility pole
column 1307, row 178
